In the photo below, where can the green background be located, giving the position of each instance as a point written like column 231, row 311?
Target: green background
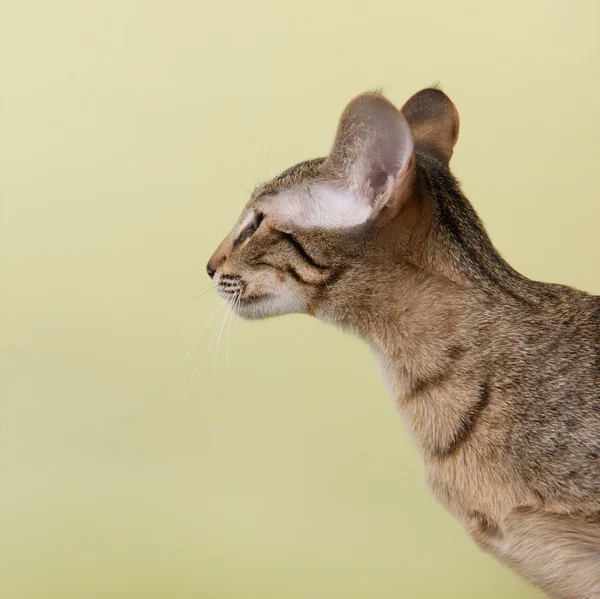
column 129, row 133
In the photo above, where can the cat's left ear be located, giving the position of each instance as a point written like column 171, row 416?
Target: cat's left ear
column 373, row 154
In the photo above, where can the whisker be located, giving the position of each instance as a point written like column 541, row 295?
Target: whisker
column 254, row 179
column 236, row 301
column 200, row 292
column 200, row 363
column 265, row 170
column 182, row 332
column 219, row 342
column 237, row 324
column 242, row 186
column 227, row 342
column 185, row 328
column 203, row 328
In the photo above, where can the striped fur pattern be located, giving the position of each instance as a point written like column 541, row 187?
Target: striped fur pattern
column 496, row 375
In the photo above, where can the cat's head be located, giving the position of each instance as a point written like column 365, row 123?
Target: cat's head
column 312, row 237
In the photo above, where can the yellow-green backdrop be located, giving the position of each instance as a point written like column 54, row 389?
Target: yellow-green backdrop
column 130, row 132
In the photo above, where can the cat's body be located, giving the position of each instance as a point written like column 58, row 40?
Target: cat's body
column 496, row 376
column 499, row 383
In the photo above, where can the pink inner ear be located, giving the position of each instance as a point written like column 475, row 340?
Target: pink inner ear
column 378, row 178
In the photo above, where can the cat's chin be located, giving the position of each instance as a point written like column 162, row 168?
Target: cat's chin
column 257, row 307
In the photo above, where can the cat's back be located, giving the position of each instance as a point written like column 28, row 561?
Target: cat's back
column 549, row 366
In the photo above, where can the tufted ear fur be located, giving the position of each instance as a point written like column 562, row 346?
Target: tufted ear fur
column 434, row 123
column 372, row 153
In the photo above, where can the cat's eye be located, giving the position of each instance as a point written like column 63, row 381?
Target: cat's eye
column 257, row 219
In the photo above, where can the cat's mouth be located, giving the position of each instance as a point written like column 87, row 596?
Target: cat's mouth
column 253, row 299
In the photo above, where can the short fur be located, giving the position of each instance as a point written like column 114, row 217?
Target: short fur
column 497, row 376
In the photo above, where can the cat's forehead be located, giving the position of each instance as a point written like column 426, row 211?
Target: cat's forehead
column 306, row 196
column 303, row 172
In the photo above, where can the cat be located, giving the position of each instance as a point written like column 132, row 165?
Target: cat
column 497, row 376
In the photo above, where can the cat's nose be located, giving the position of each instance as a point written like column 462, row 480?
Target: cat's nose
column 218, row 258
column 211, row 270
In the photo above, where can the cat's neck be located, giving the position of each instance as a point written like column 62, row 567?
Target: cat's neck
column 419, row 321
column 456, row 245
column 429, row 336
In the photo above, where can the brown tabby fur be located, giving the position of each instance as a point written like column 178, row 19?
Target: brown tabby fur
column 496, row 375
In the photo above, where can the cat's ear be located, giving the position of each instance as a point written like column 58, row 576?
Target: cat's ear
column 434, row 123
column 373, row 154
